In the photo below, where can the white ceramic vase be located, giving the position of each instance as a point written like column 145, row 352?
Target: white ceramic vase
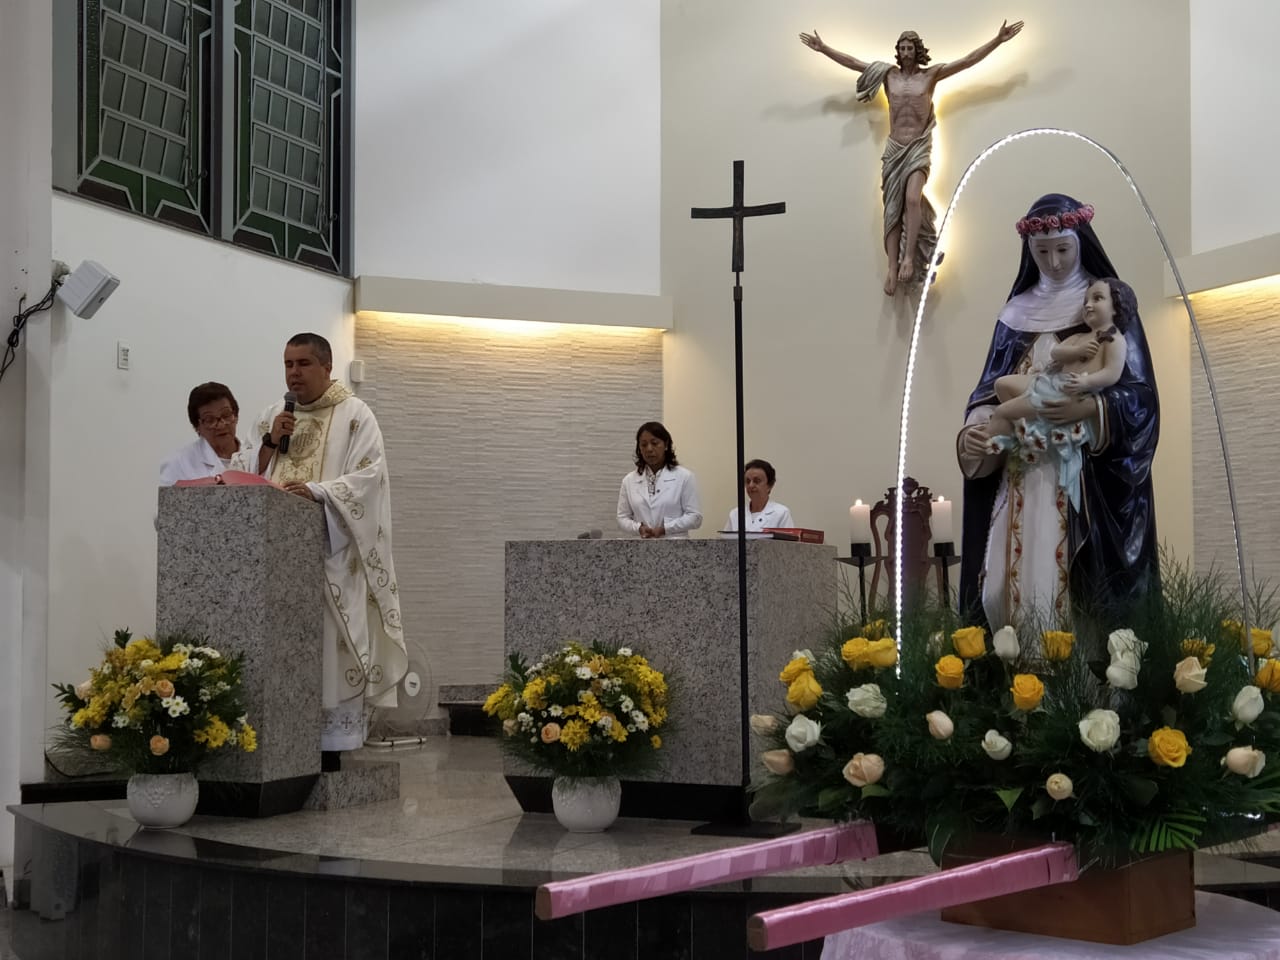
column 162, row 800
column 586, row 804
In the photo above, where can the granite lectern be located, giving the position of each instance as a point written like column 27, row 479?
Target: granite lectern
column 676, row 602
column 244, row 565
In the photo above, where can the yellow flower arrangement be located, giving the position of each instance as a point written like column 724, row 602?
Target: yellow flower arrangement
column 157, row 705
column 583, row 711
column 804, row 691
column 949, row 671
column 1259, row 639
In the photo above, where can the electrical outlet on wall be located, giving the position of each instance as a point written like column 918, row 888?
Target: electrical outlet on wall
column 122, row 355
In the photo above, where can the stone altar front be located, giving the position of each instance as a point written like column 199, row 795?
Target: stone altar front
column 675, row 602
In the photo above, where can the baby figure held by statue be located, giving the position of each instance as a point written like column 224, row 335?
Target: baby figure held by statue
column 1082, row 363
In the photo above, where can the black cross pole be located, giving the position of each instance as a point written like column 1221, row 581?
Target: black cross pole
column 737, row 212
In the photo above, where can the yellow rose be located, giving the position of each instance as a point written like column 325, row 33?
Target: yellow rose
column 159, row 745
column 854, row 652
column 882, row 653
column 1168, row 747
column 100, row 741
column 1057, row 644
column 551, row 733
column 1202, row 651
column 793, row 669
column 970, row 642
column 1261, row 641
column 804, row 691
column 1027, row 691
column 950, row 672
column 164, row 688
column 1268, row 677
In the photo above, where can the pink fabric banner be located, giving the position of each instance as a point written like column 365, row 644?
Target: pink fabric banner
column 1011, row 873
column 851, row 841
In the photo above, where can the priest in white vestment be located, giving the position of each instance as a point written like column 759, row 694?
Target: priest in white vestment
column 335, row 456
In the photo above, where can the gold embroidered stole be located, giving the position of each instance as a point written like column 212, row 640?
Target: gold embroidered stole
column 304, row 463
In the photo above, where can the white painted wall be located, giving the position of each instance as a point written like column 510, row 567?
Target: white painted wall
column 1233, row 81
column 25, row 30
column 191, row 310
column 508, row 142
column 825, row 349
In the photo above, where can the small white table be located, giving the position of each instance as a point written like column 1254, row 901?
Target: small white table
column 1226, row 929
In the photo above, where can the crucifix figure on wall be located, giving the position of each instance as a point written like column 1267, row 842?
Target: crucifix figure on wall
column 909, row 232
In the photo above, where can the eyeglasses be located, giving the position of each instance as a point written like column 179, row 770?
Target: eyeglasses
column 217, row 421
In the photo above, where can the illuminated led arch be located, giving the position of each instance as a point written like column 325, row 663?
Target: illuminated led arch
column 915, row 342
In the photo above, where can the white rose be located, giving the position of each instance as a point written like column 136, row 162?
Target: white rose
column 1245, row 761
column 509, row 727
column 803, row 733
column 1125, row 641
column 763, row 724
column 807, row 654
column 1123, row 672
column 863, row 769
column 1100, row 729
column 867, row 701
column 996, row 745
column 940, row 725
column 1188, row 676
column 84, row 689
column 1059, row 786
column 1006, row 644
column 1247, row 705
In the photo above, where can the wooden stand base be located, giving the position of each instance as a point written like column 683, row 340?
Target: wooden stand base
column 1145, row 899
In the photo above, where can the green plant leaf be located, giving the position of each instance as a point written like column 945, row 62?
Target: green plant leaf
column 1042, row 806
column 1010, row 796
column 1139, row 789
column 832, row 799
column 875, row 790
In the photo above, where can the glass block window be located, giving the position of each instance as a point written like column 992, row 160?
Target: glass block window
column 289, row 96
column 228, row 117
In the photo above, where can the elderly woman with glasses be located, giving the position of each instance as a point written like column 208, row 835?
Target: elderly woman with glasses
column 213, row 412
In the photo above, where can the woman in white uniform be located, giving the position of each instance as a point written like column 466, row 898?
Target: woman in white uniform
column 659, row 498
column 758, row 478
column 214, row 415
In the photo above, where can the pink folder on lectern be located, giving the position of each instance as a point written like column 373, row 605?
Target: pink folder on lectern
column 229, row 478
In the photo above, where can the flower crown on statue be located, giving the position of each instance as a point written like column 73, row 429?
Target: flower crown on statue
column 1067, row 220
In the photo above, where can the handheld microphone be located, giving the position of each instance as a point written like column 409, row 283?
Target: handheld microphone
column 289, row 401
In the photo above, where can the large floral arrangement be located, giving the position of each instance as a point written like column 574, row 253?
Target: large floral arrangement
column 157, row 705
column 1130, row 738
column 582, row 711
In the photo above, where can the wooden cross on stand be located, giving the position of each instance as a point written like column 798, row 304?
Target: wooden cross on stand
column 737, row 212
column 742, row 826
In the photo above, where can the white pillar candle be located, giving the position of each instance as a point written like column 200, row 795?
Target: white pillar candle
column 940, row 522
column 860, row 522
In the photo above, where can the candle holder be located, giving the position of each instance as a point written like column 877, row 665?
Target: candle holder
column 860, row 556
column 945, row 553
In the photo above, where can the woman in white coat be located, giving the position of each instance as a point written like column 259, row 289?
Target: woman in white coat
column 659, row 498
column 214, row 415
column 762, row 513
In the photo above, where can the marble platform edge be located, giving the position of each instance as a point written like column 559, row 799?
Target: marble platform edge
column 358, row 782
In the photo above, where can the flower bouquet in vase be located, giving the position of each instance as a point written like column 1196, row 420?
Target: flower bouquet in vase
column 156, row 708
column 587, row 716
column 1137, row 740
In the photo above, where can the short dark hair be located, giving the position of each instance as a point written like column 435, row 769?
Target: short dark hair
column 207, row 393
column 318, row 344
column 770, row 475
column 659, row 431
column 1124, row 303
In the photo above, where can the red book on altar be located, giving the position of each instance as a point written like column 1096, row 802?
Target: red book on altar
column 803, row 534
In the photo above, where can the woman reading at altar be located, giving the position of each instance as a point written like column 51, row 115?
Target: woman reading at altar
column 1027, row 551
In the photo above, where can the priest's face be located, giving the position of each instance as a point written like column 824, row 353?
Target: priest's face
column 1056, row 253
column 304, row 374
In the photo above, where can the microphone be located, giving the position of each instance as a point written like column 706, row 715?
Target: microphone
column 289, row 401
column 590, row 535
